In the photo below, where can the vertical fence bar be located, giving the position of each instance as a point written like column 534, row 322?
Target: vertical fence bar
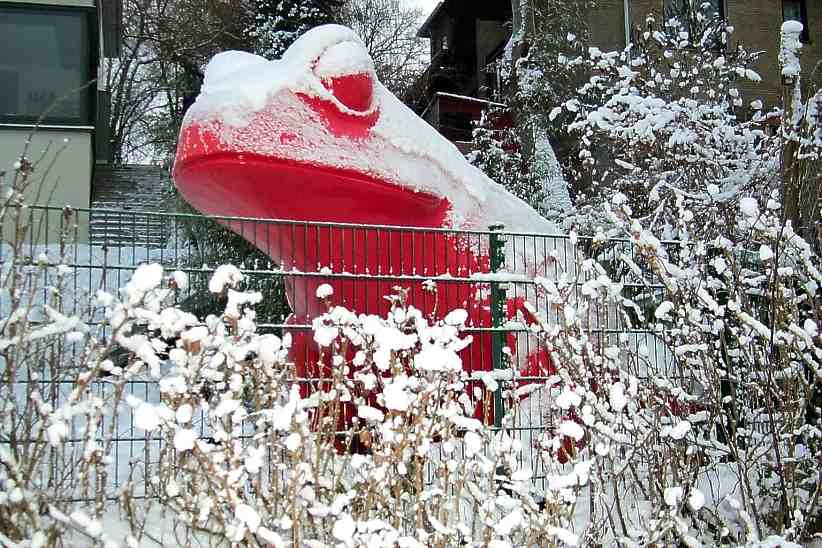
column 497, row 260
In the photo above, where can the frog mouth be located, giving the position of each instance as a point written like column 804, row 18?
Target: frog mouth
column 257, row 186
column 251, row 186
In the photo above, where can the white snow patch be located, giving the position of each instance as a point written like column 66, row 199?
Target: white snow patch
column 672, row 496
column 184, row 439
column 344, row 58
column 572, row 430
column 456, row 317
column 324, row 291
column 225, row 275
column 749, row 207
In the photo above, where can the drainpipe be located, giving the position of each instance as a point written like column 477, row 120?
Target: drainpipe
column 626, row 15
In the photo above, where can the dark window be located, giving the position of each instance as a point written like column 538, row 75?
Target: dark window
column 796, row 10
column 701, row 20
column 716, row 8
column 680, row 8
column 45, row 65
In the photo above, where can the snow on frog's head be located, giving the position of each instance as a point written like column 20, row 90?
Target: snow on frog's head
column 315, row 136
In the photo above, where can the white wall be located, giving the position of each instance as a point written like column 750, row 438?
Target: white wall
column 63, row 168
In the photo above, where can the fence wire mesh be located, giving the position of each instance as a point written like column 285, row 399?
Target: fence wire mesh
column 490, row 273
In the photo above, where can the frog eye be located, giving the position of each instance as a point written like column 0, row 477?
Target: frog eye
column 347, row 71
column 355, row 91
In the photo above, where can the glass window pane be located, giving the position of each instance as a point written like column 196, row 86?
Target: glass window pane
column 791, row 10
column 43, row 63
column 677, row 7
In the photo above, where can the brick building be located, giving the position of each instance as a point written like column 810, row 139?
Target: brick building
column 467, row 35
column 756, row 25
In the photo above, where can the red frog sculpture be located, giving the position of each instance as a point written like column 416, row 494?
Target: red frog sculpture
column 315, row 137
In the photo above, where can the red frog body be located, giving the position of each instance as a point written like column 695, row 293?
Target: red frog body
column 315, row 137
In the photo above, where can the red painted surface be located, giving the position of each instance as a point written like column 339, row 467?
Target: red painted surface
column 355, row 91
column 220, row 181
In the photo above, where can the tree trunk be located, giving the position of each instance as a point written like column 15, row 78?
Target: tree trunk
column 809, row 205
column 523, row 26
column 533, row 138
column 800, row 174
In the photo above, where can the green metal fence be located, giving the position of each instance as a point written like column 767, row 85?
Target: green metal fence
column 102, row 248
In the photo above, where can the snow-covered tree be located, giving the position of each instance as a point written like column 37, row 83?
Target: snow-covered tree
column 666, row 113
column 280, row 22
column 496, row 151
column 801, row 141
column 667, row 116
column 541, row 29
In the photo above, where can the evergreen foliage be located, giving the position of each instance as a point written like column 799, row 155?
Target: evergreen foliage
column 497, row 153
column 280, row 22
column 550, row 31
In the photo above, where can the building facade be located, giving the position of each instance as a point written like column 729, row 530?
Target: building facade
column 756, row 24
column 48, row 64
column 467, row 36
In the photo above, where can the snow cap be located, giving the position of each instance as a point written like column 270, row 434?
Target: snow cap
column 308, row 47
column 342, row 59
column 792, row 27
column 248, row 102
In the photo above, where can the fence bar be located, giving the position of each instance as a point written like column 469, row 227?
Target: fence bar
column 479, row 268
column 497, row 260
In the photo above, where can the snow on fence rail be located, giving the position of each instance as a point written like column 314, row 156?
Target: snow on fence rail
column 490, row 273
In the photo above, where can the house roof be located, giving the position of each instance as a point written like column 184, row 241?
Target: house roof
column 461, row 10
column 425, row 29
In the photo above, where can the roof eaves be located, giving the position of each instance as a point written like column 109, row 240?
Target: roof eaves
column 425, row 29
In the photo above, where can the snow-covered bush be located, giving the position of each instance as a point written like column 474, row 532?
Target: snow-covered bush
column 719, row 446
column 59, row 393
column 667, row 113
column 271, row 459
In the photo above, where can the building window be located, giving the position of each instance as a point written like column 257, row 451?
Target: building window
column 681, row 8
column 716, row 8
column 796, row 10
column 45, row 65
column 701, row 20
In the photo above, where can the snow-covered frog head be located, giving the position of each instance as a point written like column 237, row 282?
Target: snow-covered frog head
column 315, row 136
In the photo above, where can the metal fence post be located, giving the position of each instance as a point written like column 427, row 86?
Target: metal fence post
column 498, row 291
